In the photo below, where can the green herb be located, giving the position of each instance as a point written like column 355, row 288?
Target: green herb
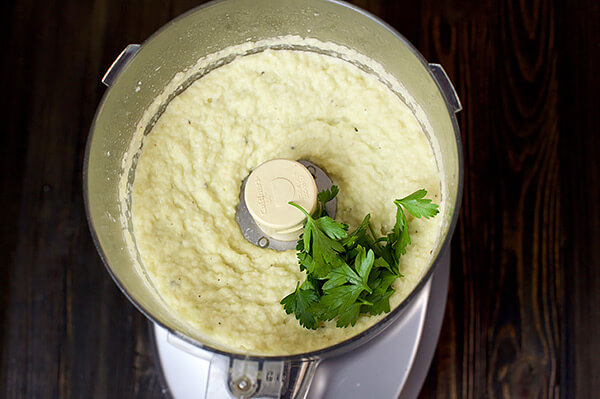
column 349, row 273
column 417, row 205
column 320, row 241
column 299, row 303
column 324, row 197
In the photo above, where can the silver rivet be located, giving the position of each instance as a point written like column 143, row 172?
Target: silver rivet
column 312, row 170
column 243, row 384
column 263, row 242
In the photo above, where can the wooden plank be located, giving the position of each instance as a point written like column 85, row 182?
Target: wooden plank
column 463, row 41
column 579, row 63
column 60, row 336
column 501, row 335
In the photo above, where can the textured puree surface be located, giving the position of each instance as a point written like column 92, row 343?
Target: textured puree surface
column 274, row 104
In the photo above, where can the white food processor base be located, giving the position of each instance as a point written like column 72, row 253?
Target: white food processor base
column 392, row 365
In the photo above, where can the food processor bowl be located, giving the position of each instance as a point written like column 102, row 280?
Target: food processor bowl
column 141, row 73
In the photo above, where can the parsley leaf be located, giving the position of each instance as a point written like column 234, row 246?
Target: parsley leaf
column 299, row 303
column 324, row 197
column 382, row 263
column 357, row 234
column 398, row 239
column 325, row 249
column 336, row 300
column 339, row 276
column 327, row 195
column 306, row 262
column 348, row 316
column 363, row 264
column 332, row 228
column 381, row 302
column 417, row 205
column 360, row 277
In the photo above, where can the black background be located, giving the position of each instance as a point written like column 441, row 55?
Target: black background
column 523, row 315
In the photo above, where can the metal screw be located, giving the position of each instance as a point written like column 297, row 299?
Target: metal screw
column 243, row 384
column 263, row 242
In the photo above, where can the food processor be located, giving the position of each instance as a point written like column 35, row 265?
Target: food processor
column 389, row 359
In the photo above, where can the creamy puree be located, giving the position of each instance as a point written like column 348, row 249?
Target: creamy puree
column 273, row 104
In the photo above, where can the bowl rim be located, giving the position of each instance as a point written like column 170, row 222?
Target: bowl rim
column 350, row 342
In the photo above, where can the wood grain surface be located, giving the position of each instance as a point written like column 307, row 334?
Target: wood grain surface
column 524, row 302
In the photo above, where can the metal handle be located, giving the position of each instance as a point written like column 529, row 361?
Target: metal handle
column 122, row 60
column 446, row 87
column 262, row 379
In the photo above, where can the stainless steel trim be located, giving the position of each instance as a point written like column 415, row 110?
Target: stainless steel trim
column 113, row 71
column 446, row 87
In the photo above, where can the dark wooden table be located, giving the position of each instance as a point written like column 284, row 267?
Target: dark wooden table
column 524, row 303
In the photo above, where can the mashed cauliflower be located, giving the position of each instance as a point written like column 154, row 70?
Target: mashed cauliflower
column 272, row 104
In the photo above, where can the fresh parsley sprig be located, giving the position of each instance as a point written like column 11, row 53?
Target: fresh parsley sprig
column 320, row 242
column 349, row 273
